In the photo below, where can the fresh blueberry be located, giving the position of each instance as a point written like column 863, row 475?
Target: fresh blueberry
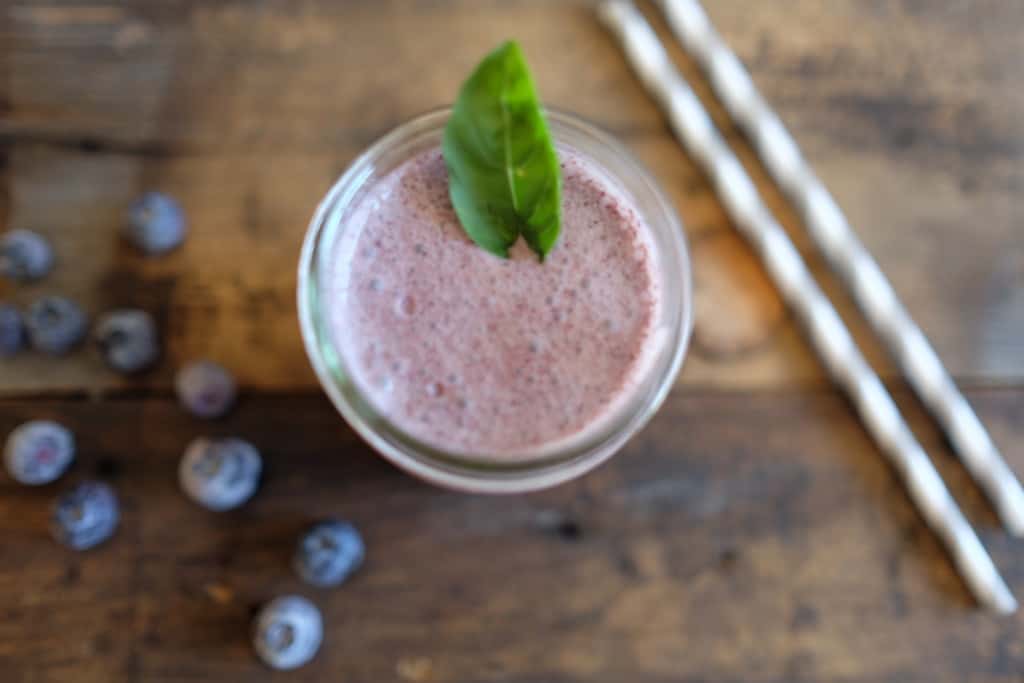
column 85, row 515
column 205, row 388
column 38, row 452
column 25, row 255
column 220, row 474
column 328, row 553
column 127, row 340
column 155, row 223
column 55, row 325
column 12, row 330
column 288, row 632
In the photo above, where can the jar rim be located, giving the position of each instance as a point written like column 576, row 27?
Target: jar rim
column 459, row 471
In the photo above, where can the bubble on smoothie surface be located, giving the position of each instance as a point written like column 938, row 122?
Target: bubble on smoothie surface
column 406, row 305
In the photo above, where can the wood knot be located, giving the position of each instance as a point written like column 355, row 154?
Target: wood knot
column 736, row 307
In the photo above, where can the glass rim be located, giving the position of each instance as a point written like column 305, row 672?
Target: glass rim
column 428, row 462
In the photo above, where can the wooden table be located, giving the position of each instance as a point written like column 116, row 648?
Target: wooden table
column 751, row 533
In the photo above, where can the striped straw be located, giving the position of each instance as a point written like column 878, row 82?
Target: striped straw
column 825, row 329
column 846, row 254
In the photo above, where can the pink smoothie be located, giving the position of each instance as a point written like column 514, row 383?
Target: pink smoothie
column 477, row 355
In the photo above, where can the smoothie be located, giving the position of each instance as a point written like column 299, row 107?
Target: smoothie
column 496, row 359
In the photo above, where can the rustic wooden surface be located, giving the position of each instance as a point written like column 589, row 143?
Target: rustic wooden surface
column 724, row 544
column 751, row 533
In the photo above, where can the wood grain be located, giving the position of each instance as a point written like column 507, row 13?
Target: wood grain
column 756, row 538
column 750, row 533
column 248, row 111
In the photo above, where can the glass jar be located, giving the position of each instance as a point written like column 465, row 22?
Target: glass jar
column 480, row 474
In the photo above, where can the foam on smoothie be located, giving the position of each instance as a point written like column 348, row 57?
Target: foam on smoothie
column 483, row 356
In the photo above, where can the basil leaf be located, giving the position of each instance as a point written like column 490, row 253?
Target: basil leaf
column 504, row 178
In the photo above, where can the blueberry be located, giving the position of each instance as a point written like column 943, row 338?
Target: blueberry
column 288, row 632
column 38, row 452
column 127, row 340
column 155, row 223
column 25, row 255
column 220, row 474
column 85, row 515
column 205, row 388
column 12, row 330
column 328, row 553
column 55, row 325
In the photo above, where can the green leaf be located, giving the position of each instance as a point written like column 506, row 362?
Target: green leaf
column 504, row 178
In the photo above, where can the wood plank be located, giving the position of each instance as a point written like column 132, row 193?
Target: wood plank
column 921, row 145
column 248, row 111
column 210, row 302
column 756, row 538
